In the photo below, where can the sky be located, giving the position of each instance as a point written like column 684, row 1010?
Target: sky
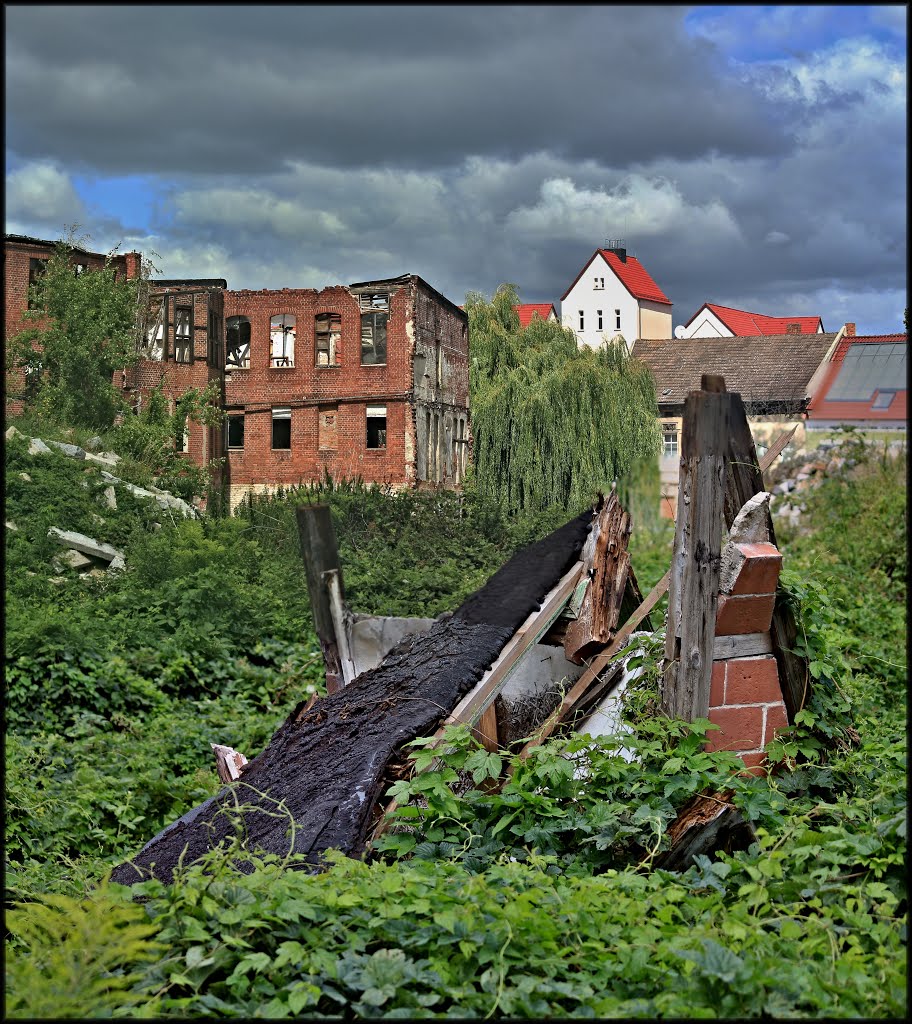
column 753, row 157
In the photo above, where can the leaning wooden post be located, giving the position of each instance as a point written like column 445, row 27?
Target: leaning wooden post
column 320, row 554
column 694, row 584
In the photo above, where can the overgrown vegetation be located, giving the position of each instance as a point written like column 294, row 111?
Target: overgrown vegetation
column 540, row 900
column 552, row 422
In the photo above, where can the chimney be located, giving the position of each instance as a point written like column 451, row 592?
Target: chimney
column 793, row 329
column 132, row 264
column 619, row 247
column 850, row 330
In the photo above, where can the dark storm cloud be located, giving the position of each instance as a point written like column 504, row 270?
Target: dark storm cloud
column 243, row 89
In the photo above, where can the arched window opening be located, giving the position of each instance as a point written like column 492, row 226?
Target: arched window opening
column 282, row 340
column 237, row 342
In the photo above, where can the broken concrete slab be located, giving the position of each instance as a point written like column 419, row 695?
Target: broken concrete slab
column 38, row 447
column 13, row 432
column 73, row 559
column 103, row 459
column 72, row 450
column 25, row 477
column 12, row 526
column 117, row 564
column 87, row 545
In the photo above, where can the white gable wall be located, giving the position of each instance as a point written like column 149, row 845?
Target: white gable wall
column 707, row 325
column 586, row 295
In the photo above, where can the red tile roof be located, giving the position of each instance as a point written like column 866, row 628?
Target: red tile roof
column 529, row 309
column 744, row 324
column 632, row 275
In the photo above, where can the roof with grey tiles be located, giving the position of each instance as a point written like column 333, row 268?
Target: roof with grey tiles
column 771, row 372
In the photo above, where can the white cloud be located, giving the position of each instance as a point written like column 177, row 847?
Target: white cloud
column 639, row 207
column 40, row 192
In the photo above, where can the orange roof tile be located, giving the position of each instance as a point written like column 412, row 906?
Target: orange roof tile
column 744, row 324
column 632, row 275
column 529, row 309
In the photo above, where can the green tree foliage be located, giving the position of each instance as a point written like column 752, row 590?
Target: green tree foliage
column 552, row 422
column 84, row 330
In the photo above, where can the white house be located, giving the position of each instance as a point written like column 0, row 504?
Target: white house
column 614, row 294
column 714, row 321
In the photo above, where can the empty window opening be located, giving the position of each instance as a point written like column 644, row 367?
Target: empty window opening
column 373, row 338
column 213, row 348
column 581, row 319
column 234, row 430
column 374, row 300
column 281, row 429
column 237, row 342
column 183, row 340
column 598, row 314
column 328, row 327
column 37, row 270
column 154, row 337
column 617, row 319
column 182, row 441
column 282, row 340
column 376, row 426
column 328, row 428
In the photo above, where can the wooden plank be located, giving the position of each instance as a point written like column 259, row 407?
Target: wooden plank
column 332, row 579
column 474, row 705
column 485, row 730
column 607, row 562
column 319, row 551
column 597, row 665
column 694, row 586
column 536, row 625
column 745, row 645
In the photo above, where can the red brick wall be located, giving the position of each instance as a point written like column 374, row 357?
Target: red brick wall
column 745, row 698
column 415, row 315
column 204, row 443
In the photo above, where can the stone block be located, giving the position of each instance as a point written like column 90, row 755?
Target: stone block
column 74, row 560
column 103, row 459
column 72, row 450
column 751, row 614
column 38, row 447
column 87, row 545
column 25, row 477
column 12, row 432
column 752, row 681
column 110, row 497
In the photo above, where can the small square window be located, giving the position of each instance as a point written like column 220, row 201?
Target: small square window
column 581, row 320
column 376, row 426
column 883, row 400
column 281, row 429
column 669, row 439
column 617, row 319
column 598, row 314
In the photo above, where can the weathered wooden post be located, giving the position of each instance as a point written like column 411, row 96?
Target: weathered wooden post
column 694, row 584
column 321, row 556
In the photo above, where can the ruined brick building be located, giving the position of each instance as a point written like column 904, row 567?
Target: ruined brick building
column 369, row 380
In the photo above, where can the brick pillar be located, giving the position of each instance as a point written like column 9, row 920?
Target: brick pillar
column 745, row 698
column 132, row 264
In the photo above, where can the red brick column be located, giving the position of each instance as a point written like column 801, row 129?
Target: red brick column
column 745, row 698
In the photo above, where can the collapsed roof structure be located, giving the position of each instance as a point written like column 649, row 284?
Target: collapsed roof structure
column 320, row 782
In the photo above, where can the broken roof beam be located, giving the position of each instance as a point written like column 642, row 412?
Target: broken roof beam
column 607, row 563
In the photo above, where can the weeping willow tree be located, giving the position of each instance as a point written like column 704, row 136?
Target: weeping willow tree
column 553, row 423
